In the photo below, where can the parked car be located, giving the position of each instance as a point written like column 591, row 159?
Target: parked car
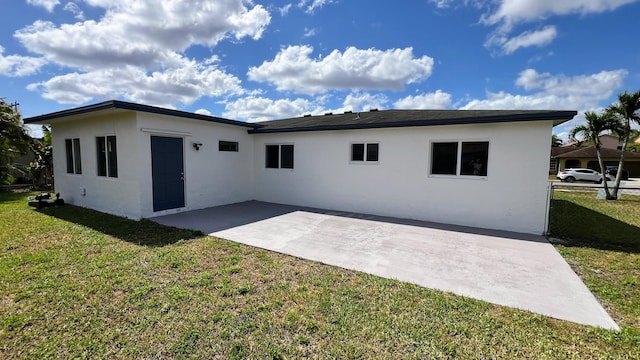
column 613, row 171
column 571, row 175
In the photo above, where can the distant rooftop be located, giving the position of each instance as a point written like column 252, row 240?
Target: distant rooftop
column 590, row 152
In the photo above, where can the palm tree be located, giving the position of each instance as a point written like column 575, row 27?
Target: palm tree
column 596, row 125
column 627, row 110
column 555, row 141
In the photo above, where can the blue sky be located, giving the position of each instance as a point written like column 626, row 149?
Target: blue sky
column 259, row 60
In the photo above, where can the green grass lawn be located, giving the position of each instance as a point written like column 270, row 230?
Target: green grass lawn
column 81, row 284
column 576, row 214
column 600, row 239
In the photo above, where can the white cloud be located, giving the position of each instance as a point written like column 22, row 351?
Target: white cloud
column 580, row 93
column 363, row 102
column 136, row 50
column 315, row 4
column 526, row 39
column 143, row 32
column 203, row 112
column 510, row 12
column 435, row 100
column 505, row 14
column 294, row 70
column 75, row 9
column 310, row 32
column 254, row 108
column 15, row 65
column 284, row 10
column 182, row 84
column 441, row 4
column 355, row 101
column 47, row 4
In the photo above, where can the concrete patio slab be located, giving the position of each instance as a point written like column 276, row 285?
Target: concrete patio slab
column 517, row 270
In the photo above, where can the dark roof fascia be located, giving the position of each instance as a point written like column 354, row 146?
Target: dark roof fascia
column 559, row 116
column 123, row 105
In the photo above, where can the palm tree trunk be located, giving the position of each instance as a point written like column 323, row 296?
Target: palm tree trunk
column 616, row 185
column 608, row 195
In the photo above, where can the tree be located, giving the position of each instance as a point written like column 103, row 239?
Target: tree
column 41, row 168
column 14, row 140
column 596, row 125
column 634, row 136
column 635, row 147
column 555, row 141
column 627, row 111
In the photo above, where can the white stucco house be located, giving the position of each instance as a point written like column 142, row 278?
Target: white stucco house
column 481, row 168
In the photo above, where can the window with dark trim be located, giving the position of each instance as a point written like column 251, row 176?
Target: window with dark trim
column 364, row 152
column 467, row 158
column 74, row 160
column 228, row 146
column 107, row 156
column 279, row 156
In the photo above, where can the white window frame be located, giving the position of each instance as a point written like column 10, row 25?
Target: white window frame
column 458, row 174
column 365, row 155
column 76, row 159
column 107, row 159
column 280, row 145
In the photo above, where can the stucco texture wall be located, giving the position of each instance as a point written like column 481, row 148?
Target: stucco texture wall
column 511, row 197
column 119, row 196
column 211, row 177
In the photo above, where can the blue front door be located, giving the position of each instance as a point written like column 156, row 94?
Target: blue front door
column 167, row 170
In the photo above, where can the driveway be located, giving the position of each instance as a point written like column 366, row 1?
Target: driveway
column 517, row 270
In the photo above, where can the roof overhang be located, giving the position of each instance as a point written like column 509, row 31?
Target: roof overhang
column 115, row 106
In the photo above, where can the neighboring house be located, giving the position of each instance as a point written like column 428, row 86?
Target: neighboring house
column 448, row 166
column 606, row 141
column 583, row 155
column 586, row 157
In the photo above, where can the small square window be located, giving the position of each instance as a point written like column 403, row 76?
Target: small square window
column 364, row 152
column 279, row 156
